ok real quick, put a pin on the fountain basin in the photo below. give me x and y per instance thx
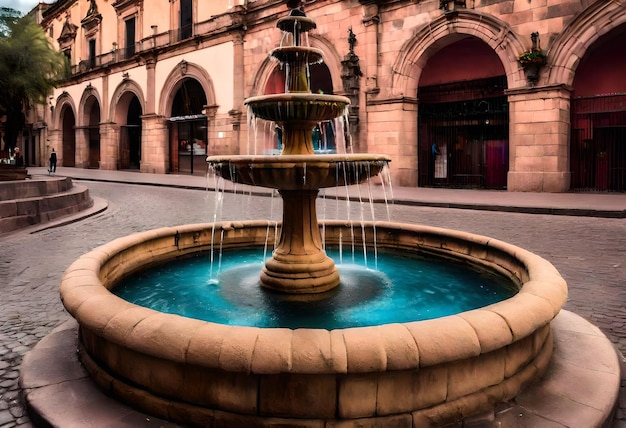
(297, 172)
(412, 374)
(298, 107)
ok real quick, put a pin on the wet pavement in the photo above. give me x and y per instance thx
(585, 242)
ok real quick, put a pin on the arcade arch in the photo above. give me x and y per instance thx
(92, 110)
(598, 116)
(88, 129)
(462, 112)
(324, 78)
(463, 118)
(441, 32)
(67, 157)
(187, 96)
(126, 113)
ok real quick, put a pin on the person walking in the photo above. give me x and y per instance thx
(19, 159)
(53, 162)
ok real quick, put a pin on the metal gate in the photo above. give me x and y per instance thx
(463, 134)
(598, 143)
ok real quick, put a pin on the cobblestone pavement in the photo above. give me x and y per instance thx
(590, 253)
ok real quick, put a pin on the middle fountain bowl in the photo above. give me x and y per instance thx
(299, 172)
(290, 107)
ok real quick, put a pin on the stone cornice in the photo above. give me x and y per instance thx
(90, 22)
(538, 89)
(121, 5)
(392, 100)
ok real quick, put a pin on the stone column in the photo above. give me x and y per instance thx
(155, 151)
(82, 147)
(299, 264)
(392, 129)
(109, 146)
(539, 139)
(150, 85)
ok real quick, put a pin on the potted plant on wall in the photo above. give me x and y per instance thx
(533, 60)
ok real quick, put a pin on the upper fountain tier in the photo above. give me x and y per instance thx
(297, 103)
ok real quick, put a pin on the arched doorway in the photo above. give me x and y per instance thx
(463, 118)
(68, 136)
(92, 107)
(598, 116)
(130, 135)
(188, 129)
(324, 140)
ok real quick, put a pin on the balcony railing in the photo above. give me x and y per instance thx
(216, 25)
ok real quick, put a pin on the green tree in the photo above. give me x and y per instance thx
(30, 68)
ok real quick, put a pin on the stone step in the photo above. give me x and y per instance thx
(30, 202)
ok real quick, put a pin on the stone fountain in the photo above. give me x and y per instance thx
(425, 373)
(299, 264)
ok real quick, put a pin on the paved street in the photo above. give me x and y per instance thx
(589, 252)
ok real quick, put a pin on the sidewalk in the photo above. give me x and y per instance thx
(610, 205)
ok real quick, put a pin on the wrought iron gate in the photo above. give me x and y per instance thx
(598, 143)
(463, 134)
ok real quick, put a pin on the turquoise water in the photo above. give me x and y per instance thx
(393, 289)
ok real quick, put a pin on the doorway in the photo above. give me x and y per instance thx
(188, 129)
(68, 137)
(130, 137)
(463, 133)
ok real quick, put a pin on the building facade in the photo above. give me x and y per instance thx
(524, 95)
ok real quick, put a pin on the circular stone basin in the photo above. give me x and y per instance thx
(297, 172)
(295, 106)
(394, 288)
(423, 373)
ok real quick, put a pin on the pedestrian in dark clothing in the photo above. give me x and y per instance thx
(19, 159)
(53, 162)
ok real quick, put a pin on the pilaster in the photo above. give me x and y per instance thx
(539, 139)
(150, 85)
(82, 147)
(392, 130)
(155, 152)
(109, 146)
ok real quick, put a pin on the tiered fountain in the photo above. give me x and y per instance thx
(299, 264)
(422, 373)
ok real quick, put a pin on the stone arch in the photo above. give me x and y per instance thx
(122, 98)
(63, 132)
(262, 76)
(88, 142)
(174, 80)
(89, 97)
(572, 43)
(442, 31)
(63, 102)
(124, 145)
(331, 58)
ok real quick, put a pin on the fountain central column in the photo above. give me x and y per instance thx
(299, 264)
(297, 138)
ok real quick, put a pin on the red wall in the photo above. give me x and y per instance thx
(603, 69)
(467, 59)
